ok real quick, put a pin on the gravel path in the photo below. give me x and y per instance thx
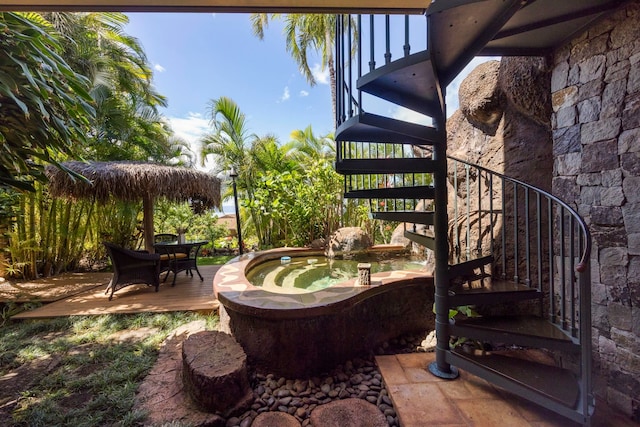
(359, 378)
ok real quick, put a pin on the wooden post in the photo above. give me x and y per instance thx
(147, 222)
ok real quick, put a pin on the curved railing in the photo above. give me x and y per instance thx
(536, 238)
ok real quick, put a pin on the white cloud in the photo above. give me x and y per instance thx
(192, 128)
(321, 76)
(285, 95)
(159, 68)
(304, 93)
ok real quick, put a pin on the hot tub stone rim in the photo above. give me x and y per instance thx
(236, 293)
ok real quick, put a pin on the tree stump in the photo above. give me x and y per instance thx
(214, 373)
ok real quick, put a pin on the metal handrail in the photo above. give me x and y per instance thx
(581, 266)
(509, 224)
(368, 46)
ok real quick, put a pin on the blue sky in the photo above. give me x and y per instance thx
(200, 57)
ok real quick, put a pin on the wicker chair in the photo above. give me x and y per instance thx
(132, 267)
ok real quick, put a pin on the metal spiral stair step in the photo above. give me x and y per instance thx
(469, 265)
(408, 82)
(491, 291)
(529, 331)
(418, 192)
(382, 166)
(368, 127)
(412, 217)
(426, 240)
(549, 385)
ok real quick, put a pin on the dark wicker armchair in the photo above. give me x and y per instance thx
(132, 267)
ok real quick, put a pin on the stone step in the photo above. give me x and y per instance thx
(214, 373)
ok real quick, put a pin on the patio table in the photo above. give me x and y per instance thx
(177, 257)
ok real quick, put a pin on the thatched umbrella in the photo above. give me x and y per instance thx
(132, 181)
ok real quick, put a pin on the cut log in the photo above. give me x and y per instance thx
(214, 373)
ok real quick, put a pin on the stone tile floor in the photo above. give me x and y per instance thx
(421, 400)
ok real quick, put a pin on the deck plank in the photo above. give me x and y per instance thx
(189, 294)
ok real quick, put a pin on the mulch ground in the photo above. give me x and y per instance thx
(51, 288)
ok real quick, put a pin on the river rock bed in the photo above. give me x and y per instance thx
(358, 378)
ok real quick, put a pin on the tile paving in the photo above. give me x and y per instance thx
(422, 400)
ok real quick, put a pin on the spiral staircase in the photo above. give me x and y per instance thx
(504, 243)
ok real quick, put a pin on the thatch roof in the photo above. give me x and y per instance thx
(131, 181)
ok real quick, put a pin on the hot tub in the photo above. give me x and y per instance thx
(299, 335)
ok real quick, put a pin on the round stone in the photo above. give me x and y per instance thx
(348, 413)
(275, 419)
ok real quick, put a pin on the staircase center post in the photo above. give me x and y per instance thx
(441, 368)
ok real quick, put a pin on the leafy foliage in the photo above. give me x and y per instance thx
(72, 85)
(45, 105)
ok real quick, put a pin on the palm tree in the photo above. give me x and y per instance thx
(305, 146)
(128, 124)
(45, 106)
(304, 32)
(235, 148)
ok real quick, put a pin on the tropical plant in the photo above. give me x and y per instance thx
(72, 85)
(305, 32)
(127, 124)
(45, 105)
(236, 149)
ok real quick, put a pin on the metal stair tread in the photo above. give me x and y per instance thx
(408, 81)
(535, 29)
(494, 286)
(428, 241)
(470, 263)
(381, 166)
(412, 216)
(557, 384)
(528, 326)
(367, 127)
(492, 291)
(417, 192)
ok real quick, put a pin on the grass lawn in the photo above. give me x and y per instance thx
(214, 260)
(81, 370)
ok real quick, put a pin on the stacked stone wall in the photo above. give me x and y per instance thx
(595, 89)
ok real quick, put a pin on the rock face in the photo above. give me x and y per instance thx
(503, 121)
(348, 413)
(503, 124)
(215, 373)
(348, 240)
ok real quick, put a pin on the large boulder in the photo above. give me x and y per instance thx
(481, 103)
(348, 241)
(503, 124)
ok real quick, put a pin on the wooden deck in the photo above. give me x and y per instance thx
(189, 294)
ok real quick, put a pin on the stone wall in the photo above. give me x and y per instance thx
(595, 90)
